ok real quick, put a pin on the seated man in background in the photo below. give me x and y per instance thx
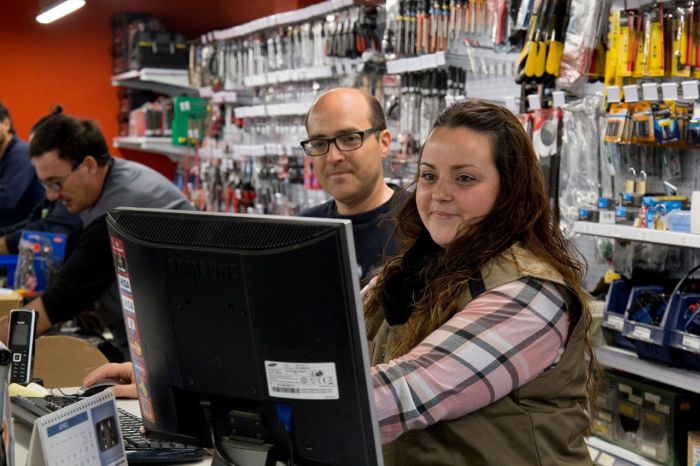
(48, 216)
(20, 189)
(73, 163)
(348, 141)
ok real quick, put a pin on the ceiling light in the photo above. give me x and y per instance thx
(58, 9)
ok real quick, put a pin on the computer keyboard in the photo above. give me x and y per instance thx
(139, 448)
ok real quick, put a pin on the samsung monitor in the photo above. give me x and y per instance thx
(247, 335)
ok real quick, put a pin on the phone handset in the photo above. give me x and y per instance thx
(21, 336)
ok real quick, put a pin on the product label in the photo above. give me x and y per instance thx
(691, 341)
(648, 450)
(615, 322)
(302, 380)
(641, 333)
(607, 217)
(606, 460)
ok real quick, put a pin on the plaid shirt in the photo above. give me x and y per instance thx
(497, 343)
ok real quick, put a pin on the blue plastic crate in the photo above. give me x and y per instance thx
(614, 312)
(686, 343)
(651, 341)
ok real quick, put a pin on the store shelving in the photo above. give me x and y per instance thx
(276, 20)
(159, 80)
(301, 74)
(672, 238)
(290, 109)
(606, 454)
(158, 145)
(617, 358)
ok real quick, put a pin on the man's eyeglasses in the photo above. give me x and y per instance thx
(57, 184)
(344, 142)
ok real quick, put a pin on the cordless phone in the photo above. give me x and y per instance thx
(21, 342)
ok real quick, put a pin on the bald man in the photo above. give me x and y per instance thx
(347, 141)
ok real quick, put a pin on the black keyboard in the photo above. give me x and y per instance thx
(140, 449)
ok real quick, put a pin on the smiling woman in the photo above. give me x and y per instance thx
(458, 182)
(479, 324)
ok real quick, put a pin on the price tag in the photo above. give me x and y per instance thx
(440, 59)
(648, 450)
(274, 109)
(606, 460)
(413, 64)
(669, 91)
(534, 101)
(558, 98)
(641, 333)
(615, 322)
(593, 452)
(613, 93)
(691, 341)
(631, 93)
(512, 105)
(396, 66)
(650, 91)
(429, 61)
(607, 217)
(690, 90)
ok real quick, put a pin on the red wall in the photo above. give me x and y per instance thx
(68, 62)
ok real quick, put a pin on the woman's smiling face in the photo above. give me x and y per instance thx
(458, 181)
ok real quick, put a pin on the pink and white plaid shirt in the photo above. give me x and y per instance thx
(497, 343)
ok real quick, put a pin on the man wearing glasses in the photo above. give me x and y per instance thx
(71, 160)
(347, 140)
(20, 190)
(49, 216)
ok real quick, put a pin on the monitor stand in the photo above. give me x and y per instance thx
(235, 453)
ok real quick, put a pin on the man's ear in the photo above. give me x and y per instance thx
(385, 142)
(90, 163)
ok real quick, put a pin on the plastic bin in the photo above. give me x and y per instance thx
(687, 344)
(651, 341)
(614, 312)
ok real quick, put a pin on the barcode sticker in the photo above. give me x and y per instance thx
(302, 380)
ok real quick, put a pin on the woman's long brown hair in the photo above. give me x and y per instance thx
(521, 213)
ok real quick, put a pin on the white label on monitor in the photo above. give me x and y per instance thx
(127, 304)
(124, 283)
(302, 380)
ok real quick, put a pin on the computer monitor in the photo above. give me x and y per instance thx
(246, 333)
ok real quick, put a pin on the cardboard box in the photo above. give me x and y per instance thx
(9, 300)
(694, 448)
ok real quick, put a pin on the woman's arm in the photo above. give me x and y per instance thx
(497, 343)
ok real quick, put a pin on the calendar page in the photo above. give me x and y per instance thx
(85, 433)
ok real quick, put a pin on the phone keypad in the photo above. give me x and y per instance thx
(19, 366)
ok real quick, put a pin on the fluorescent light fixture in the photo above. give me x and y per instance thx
(58, 9)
